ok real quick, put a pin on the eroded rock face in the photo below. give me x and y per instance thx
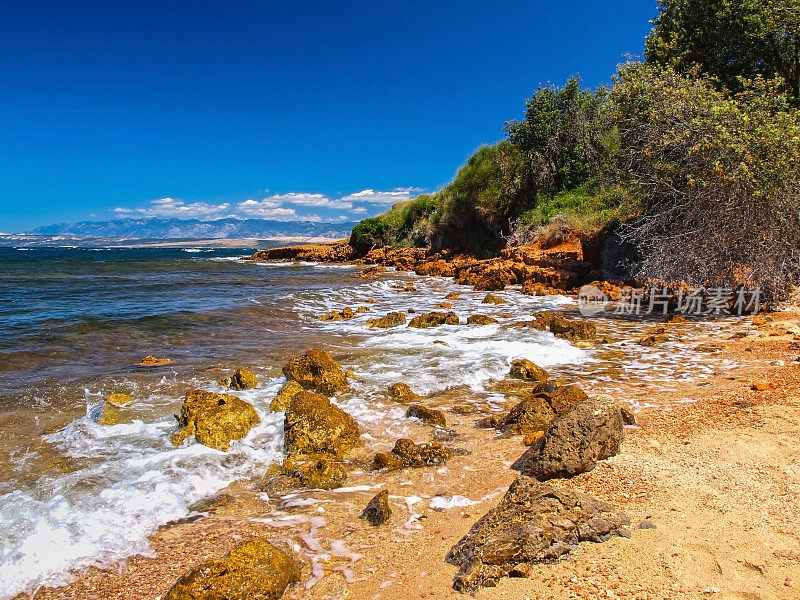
(427, 415)
(240, 380)
(408, 454)
(281, 401)
(316, 369)
(402, 393)
(393, 319)
(573, 444)
(254, 570)
(214, 419)
(480, 320)
(535, 522)
(315, 471)
(378, 510)
(315, 426)
(526, 370)
(434, 319)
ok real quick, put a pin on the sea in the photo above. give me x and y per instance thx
(76, 494)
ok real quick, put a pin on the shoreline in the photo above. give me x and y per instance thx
(634, 481)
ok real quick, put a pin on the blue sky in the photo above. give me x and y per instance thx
(286, 110)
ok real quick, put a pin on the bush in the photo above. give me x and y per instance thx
(368, 234)
(720, 175)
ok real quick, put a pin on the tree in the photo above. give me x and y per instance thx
(729, 40)
(720, 174)
(369, 233)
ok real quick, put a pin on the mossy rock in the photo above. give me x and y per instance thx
(526, 370)
(254, 570)
(408, 454)
(315, 471)
(316, 369)
(215, 420)
(240, 380)
(314, 425)
(281, 401)
(402, 393)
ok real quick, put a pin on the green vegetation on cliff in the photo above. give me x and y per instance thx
(692, 155)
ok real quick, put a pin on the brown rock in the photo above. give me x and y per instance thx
(427, 415)
(573, 330)
(242, 380)
(532, 438)
(402, 393)
(281, 401)
(480, 320)
(408, 454)
(152, 361)
(316, 369)
(573, 444)
(254, 570)
(492, 299)
(444, 305)
(393, 319)
(534, 523)
(214, 419)
(434, 319)
(378, 510)
(335, 315)
(452, 296)
(315, 471)
(761, 386)
(313, 425)
(120, 400)
(528, 371)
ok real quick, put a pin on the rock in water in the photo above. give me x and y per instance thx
(120, 400)
(534, 523)
(240, 380)
(434, 319)
(281, 401)
(427, 415)
(408, 454)
(572, 330)
(480, 320)
(314, 425)
(378, 510)
(573, 444)
(393, 319)
(255, 570)
(315, 471)
(537, 412)
(528, 371)
(316, 369)
(214, 419)
(402, 393)
(492, 299)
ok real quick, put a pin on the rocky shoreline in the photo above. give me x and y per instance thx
(573, 479)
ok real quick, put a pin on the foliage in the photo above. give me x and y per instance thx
(720, 176)
(566, 135)
(369, 234)
(729, 39)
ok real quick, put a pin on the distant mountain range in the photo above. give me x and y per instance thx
(157, 228)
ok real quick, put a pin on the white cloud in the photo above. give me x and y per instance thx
(371, 196)
(360, 210)
(170, 207)
(303, 199)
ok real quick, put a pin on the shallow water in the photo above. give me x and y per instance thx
(74, 493)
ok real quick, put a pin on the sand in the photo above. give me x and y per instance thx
(718, 475)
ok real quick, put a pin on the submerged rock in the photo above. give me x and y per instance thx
(434, 319)
(534, 523)
(152, 361)
(573, 444)
(378, 510)
(106, 413)
(120, 400)
(492, 299)
(281, 401)
(214, 419)
(393, 319)
(526, 370)
(572, 330)
(427, 415)
(254, 570)
(452, 296)
(315, 471)
(444, 305)
(408, 454)
(316, 369)
(313, 425)
(480, 320)
(402, 393)
(240, 380)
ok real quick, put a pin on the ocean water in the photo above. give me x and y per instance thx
(75, 494)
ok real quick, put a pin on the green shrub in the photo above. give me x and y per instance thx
(368, 234)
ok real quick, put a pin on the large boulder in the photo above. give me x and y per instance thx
(313, 425)
(573, 444)
(254, 570)
(522, 368)
(214, 419)
(534, 523)
(393, 319)
(434, 319)
(281, 401)
(408, 454)
(316, 369)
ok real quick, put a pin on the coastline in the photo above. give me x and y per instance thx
(675, 469)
